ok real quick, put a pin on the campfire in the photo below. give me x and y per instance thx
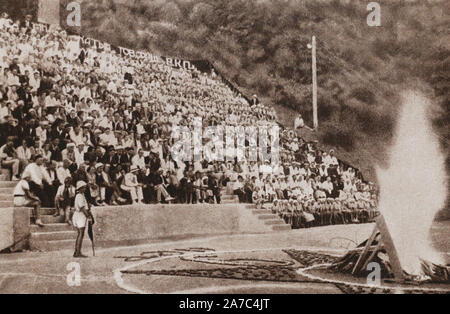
(412, 190)
(376, 250)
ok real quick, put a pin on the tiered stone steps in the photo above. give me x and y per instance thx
(5, 175)
(8, 235)
(227, 197)
(270, 219)
(7, 186)
(59, 245)
(55, 235)
(6, 193)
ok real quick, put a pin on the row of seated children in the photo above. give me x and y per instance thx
(322, 212)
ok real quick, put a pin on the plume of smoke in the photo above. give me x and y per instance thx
(413, 189)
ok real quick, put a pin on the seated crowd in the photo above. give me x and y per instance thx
(70, 115)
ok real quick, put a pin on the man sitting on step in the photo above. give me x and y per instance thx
(24, 198)
(9, 159)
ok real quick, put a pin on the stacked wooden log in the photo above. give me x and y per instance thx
(351, 263)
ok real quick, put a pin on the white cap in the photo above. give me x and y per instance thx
(81, 184)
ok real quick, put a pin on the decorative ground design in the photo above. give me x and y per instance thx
(281, 274)
(279, 266)
(247, 262)
(351, 289)
(150, 255)
(239, 268)
(308, 258)
(358, 285)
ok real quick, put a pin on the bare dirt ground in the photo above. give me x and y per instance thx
(223, 264)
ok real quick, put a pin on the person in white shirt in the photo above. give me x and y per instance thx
(42, 132)
(108, 138)
(106, 122)
(112, 87)
(140, 127)
(93, 106)
(323, 172)
(35, 81)
(24, 153)
(12, 95)
(86, 93)
(12, 79)
(327, 186)
(348, 175)
(303, 184)
(138, 160)
(24, 198)
(76, 135)
(63, 172)
(4, 110)
(69, 153)
(294, 145)
(35, 171)
(238, 189)
(299, 123)
(51, 101)
(127, 141)
(79, 154)
(331, 159)
(266, 169)
(81, 216)
(131, 185)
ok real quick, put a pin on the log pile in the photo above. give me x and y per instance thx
(352, 263)
(355, 263)
(436, 273)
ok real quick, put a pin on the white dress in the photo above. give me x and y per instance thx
(79, 219)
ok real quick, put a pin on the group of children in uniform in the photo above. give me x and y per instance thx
(326, 211)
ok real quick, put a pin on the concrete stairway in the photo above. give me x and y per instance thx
(6, 194)
(6, 190)
(228, 198)
(5, 175)
(270, 219)
(55, 235)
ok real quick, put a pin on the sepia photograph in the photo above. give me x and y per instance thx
(224, 153)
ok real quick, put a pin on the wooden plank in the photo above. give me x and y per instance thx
(363, 255)
(377, 248)
(389, 246)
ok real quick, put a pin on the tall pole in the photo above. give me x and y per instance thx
(314, 84)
